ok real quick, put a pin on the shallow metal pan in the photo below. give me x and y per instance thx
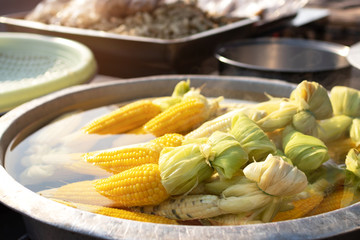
(46, 219)
(288, 59)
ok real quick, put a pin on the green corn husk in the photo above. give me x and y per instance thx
(229, 155)
(181, 88)
(183, 168)
(219, 184)
(305, 122)
(352, 162)
(222, 123)
(305, 151)
(333, 128)
(251, 137)
(276, 177)
(267, 186)
(179, 91)
(355, 131)
(313, 97)
(271, 105)
(243, 197)
(345, 101)
(276, 137)
(281, 154)
(279, 118)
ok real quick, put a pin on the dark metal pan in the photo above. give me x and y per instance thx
(287, 59)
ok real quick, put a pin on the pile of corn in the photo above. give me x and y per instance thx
(277, 160)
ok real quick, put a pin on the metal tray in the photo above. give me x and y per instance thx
(46, 219)
(131, 56)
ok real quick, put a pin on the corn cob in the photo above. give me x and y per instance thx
(169, 140)
(119, 213)
(341, 197)
(301, 207)
(137, 186)
(79, 192)
(128, 117)
(119, 159)
(221, 123)
(186, 207)
(181, 117)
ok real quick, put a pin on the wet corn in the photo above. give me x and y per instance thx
(169, 140)
(119, 213)
(221, 123)
(137, 186)
(79, 192)
(179, 118)
(186, 207)
(301, 207)
(116, 160)
(119, 159)
(126, 118)
(341, 197)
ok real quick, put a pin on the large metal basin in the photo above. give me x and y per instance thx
(45, 219)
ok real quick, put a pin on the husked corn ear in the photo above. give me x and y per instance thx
(301, 207)
(79, 192)
(169, 140)
(186, 207)
(137, 186)
(181, 117)
(221, 123)
(119, 159)
(119, 213)
(341, 197)
(128, 117)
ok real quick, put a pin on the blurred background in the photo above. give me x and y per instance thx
(338, 21)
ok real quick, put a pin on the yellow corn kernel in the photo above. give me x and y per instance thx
(119, 159)
(186, 207)
(126, 118)
(79, 192)
(119, 213)
(301, 207)
(169, 140)
(341, 197)
(137, 186)
(179, 118)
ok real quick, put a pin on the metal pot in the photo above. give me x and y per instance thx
(354, 59)
(46, 219)
(292, 60)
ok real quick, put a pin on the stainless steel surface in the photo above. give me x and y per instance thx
(283, 58)
(46, 219)
(354, 55)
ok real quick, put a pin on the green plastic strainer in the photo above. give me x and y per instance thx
(33, 65)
